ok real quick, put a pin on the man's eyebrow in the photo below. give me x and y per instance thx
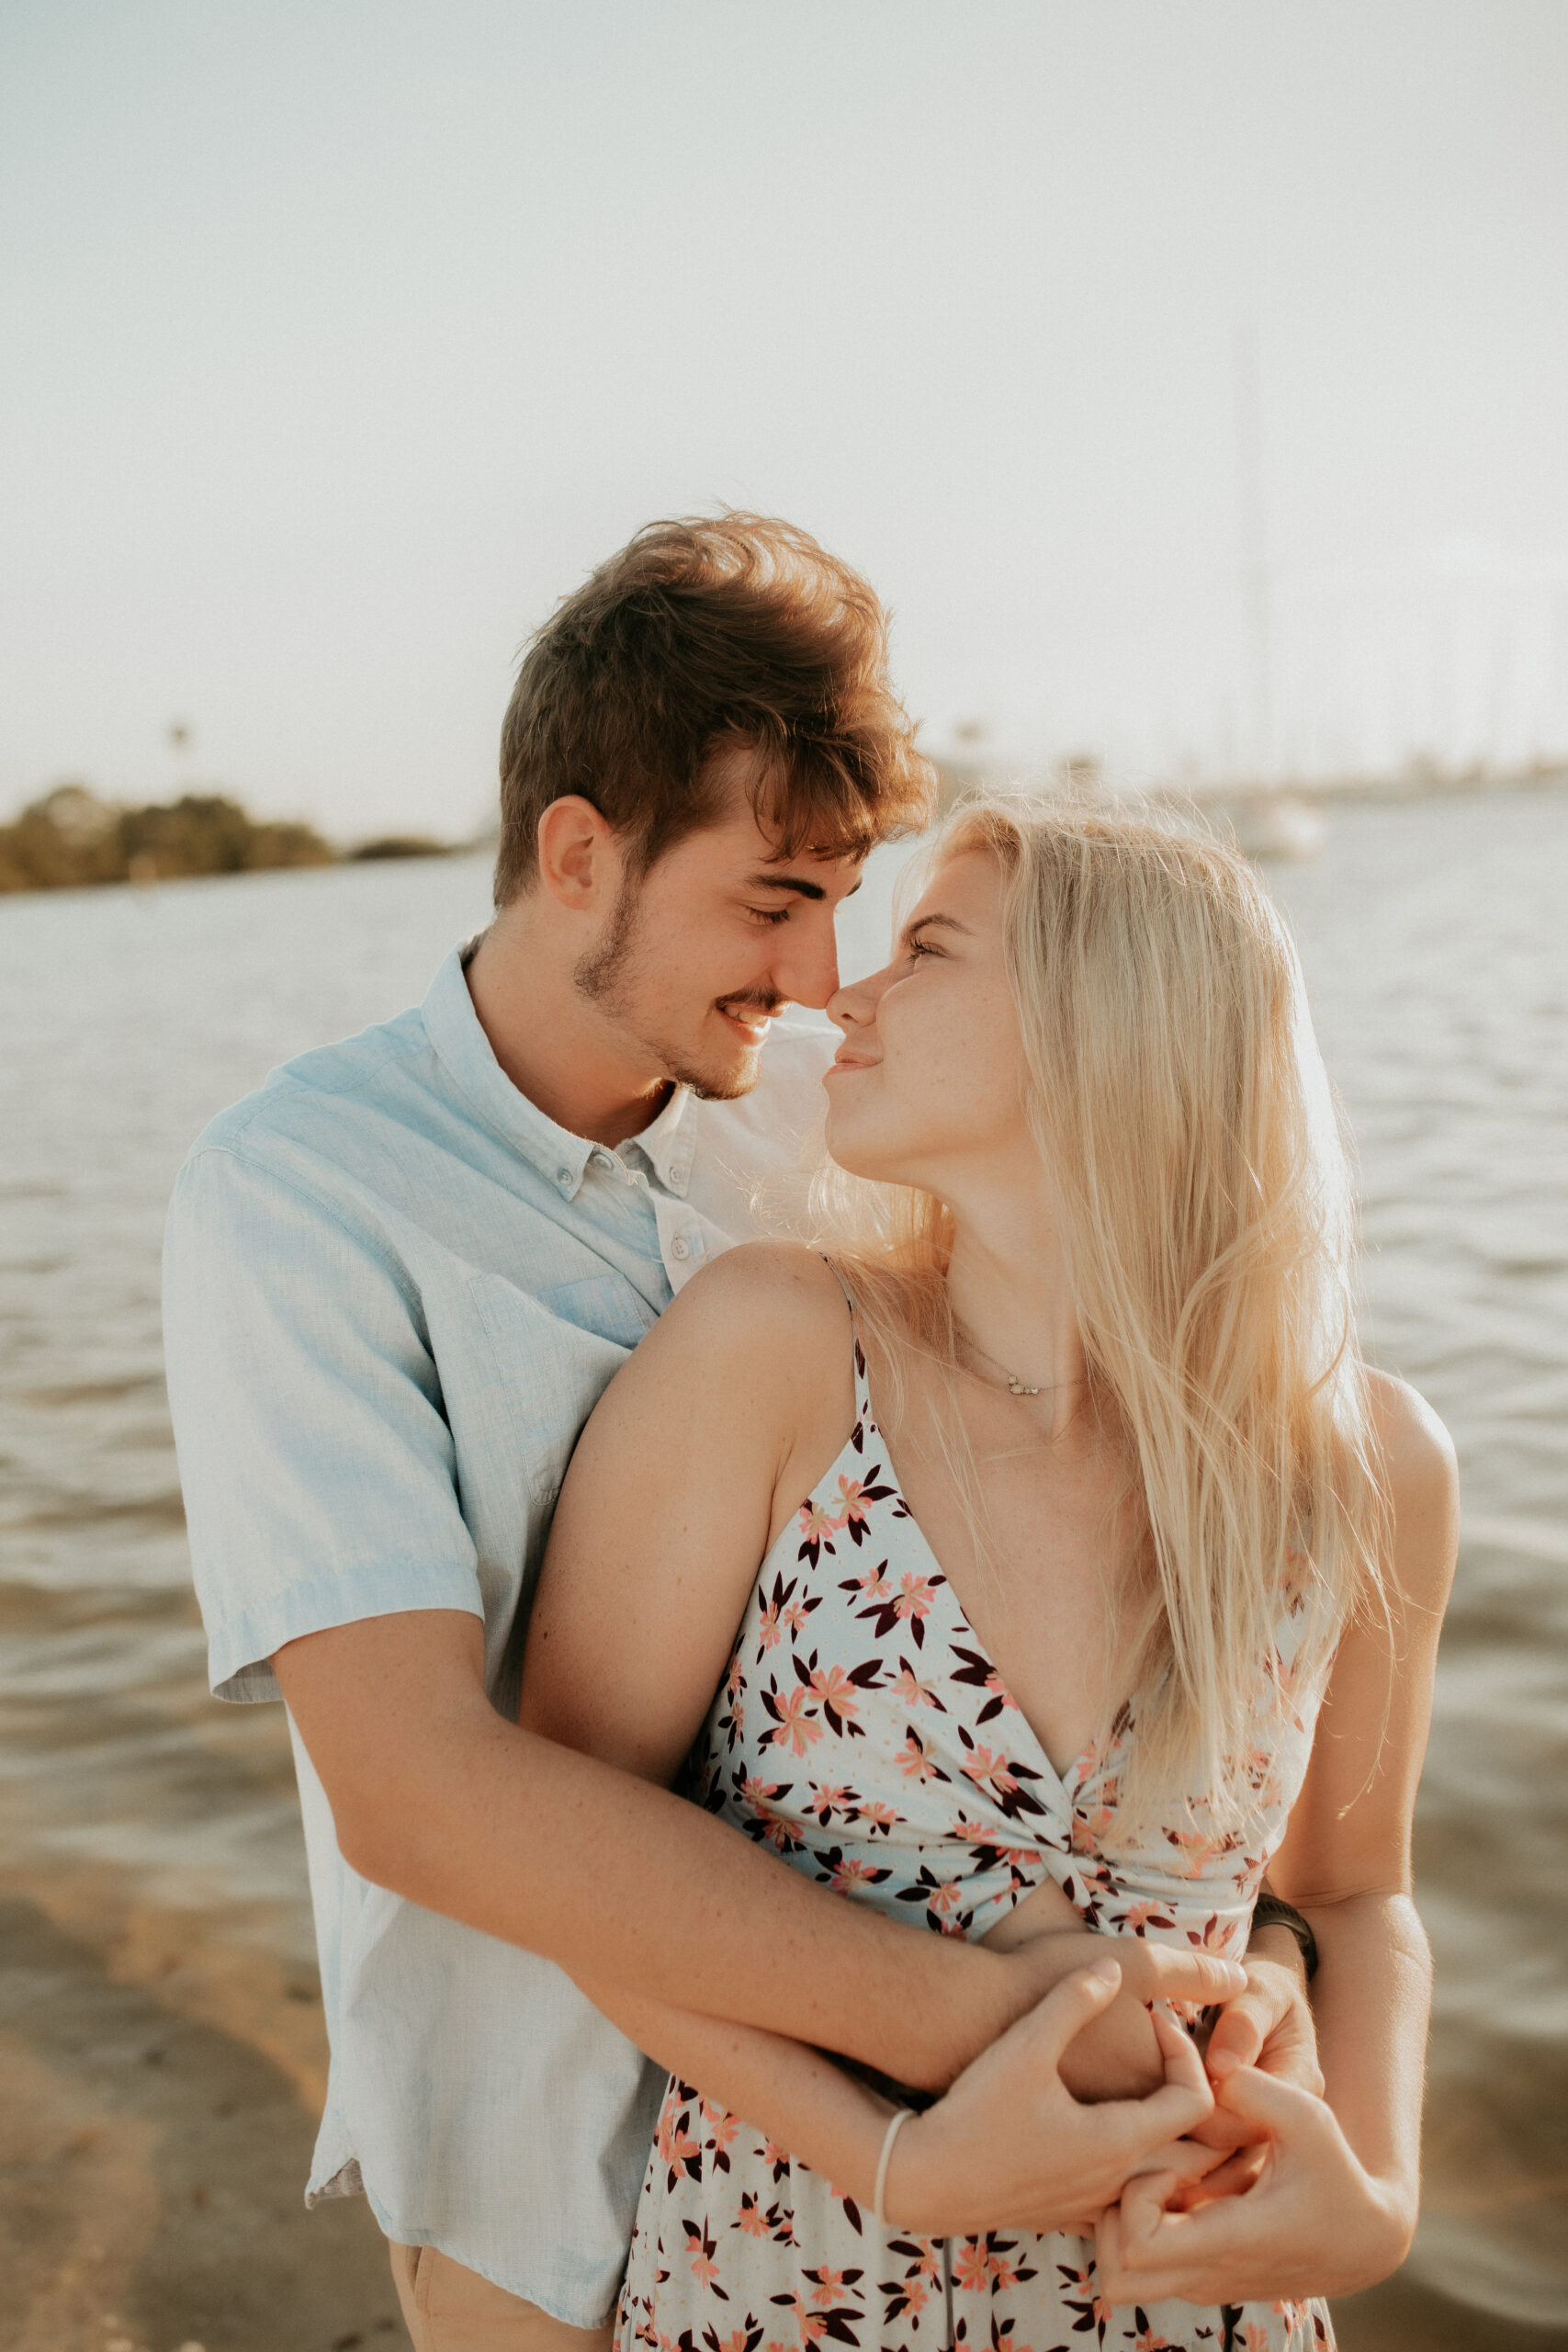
(766, 881)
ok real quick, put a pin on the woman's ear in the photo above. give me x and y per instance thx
(580, 861)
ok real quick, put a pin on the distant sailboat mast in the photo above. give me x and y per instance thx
(1258, 731)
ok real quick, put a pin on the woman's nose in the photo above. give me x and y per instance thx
(851, 1006)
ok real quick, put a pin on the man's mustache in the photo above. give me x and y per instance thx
(766, 1005)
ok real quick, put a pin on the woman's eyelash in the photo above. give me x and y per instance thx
(769, 914)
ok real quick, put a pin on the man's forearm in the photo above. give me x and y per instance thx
(1371, 1997)
(605, 1873)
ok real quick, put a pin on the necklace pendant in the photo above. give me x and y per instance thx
(1018, 1388)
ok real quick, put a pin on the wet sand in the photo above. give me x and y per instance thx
(161, 2072)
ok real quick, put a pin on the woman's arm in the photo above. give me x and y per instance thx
(1335, 2205)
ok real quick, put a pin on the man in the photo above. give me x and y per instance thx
(398, 1278)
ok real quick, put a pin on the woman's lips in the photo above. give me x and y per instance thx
(843, 1061)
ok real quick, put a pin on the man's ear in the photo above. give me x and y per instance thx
(580, 855)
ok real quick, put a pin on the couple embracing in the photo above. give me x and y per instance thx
(827, 1764)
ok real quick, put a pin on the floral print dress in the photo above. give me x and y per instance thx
(863, 1735)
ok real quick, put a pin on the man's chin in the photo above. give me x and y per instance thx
(717, 1076)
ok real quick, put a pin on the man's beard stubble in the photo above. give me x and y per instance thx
(608, 976)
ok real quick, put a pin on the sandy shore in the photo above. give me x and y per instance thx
(159, 2075)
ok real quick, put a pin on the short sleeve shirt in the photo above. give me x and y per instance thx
(393, 1293)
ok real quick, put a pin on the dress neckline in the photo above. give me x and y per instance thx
(1064, 1783)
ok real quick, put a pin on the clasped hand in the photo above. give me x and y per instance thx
(1010, 2147)
(1231, 2182)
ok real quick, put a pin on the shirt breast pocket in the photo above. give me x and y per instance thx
(546, 1370)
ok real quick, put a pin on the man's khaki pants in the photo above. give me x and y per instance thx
(450, 2309)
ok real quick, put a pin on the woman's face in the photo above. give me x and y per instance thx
(929, 1081)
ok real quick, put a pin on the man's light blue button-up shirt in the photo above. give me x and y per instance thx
(393, 1292)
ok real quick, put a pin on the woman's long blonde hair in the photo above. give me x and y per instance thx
(1187, 1133)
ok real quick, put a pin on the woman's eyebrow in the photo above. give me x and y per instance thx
(929, 922)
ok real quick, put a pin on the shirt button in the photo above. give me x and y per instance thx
(678, 1247)
(563, 1175)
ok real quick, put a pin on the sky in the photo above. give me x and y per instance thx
(1190, 381)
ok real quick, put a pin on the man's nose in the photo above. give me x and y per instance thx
(808, 972)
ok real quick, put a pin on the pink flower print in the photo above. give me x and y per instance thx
(722, 2127)
(1195, 1849)
(751, 2222)
(1090, 1829)
(737, 1682)
(702, 2250)
(831, 1798)
(912, 1692)
(813, 2326)
(676, 2148)
(830, 2283)
(972, 2268)
(878, 1819)
(817, 1528)
(1140, 1916)
(839, 1695)
(914, 1763)
(1255, 2338)
(910, 1605)
(991, 1773)
(796, 1615)
(793, 1727)
(1147, 2341)
(761, 1795)
(850, 1875)
(871, 1584)
(768, 1626)
(851, 1503)
(915, 1597)
(855, 1496)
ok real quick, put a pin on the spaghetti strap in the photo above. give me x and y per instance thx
(848, 1295)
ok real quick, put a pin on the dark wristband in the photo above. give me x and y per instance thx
(1273, 1911)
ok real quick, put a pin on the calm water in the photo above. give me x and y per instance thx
(1437, 948)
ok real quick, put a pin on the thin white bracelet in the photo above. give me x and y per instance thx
(902, 2116)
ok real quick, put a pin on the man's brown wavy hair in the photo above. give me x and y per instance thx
(698, 638)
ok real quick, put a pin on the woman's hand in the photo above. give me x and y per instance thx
(1269, 2025)
(1009, 2148)
(1315, 2222)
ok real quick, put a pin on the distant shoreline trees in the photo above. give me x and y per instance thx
(72, 839)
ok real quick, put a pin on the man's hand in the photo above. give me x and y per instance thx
(1010, 2147)
(1117, 2055)
(1315, 2222)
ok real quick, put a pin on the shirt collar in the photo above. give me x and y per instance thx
(452, 1027)
(668, 1143)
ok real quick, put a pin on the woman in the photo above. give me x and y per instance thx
(1097, 1490)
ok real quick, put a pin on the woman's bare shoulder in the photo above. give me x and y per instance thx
(793, 1287)
(1421, 1471)
(774, 1310)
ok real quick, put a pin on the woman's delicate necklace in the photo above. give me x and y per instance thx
(1018, 1388)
